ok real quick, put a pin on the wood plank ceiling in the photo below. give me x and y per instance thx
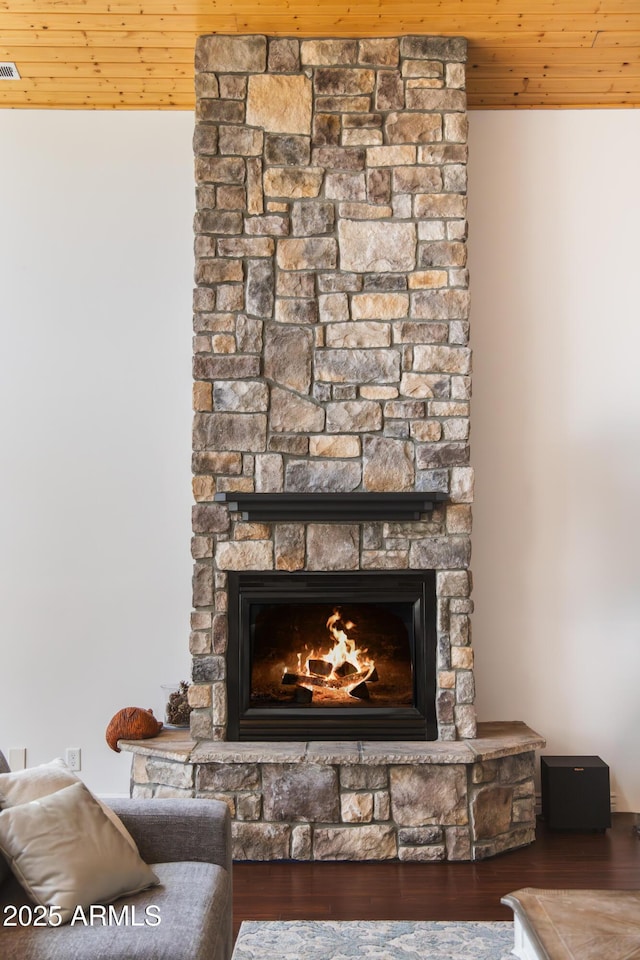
(130, 54)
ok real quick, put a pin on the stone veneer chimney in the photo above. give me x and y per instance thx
(331, 334)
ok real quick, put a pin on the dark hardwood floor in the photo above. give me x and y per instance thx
(438, 891)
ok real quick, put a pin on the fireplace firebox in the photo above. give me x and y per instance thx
(316, 656)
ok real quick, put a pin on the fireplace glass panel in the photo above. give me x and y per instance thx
(348, 655)
(331, 656)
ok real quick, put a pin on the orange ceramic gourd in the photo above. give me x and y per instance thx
(131, 723)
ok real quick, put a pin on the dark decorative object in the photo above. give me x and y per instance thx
(131, 723)
(178, 709)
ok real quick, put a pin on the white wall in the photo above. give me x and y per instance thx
(95, 291)
(554, 211)
(95, 316)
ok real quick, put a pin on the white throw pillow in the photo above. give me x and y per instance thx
(22, 786)
(66, 852)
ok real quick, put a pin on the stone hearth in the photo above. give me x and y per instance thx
(465, 800)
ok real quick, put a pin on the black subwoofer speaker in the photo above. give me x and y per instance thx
(575, 793)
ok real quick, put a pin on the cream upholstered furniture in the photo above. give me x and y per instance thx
(187, 845)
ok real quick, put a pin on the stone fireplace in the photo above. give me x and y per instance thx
(332, 385)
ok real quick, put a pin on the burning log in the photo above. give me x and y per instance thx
(321, 668)
(333, 683)
(302, 695)
(360, 691)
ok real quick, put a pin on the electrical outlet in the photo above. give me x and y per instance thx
(17, 758)
(72, 758)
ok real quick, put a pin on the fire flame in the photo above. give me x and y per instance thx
(343, 650)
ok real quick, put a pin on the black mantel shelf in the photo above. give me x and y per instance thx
(331, 506)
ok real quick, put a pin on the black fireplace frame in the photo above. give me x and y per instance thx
(306, 722)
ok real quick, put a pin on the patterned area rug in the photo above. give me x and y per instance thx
(373, 940)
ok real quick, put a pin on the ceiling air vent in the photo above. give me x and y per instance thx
(8, 71)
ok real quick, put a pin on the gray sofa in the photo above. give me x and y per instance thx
(189, 845)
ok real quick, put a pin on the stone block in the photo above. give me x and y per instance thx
(300, 284)
(356, 807)
(433, 455)
(267, 226)
(345, 186)
(334, 445)
(419, 836)
(287, 356)
(491, 812)
(202, 585)
(209, 518)
(416, 179)
(353, 416)
(279, 104)
(466, 721)
(225, 368)
(423, 795)
(269, 473)
(179, 775)
(374, 247)
(379, 185)
(228, 776)
(381, 805)
(219, 170)
(297, 311)
(451, 583)
(260, 291)
(382, 53)
(242, 396)
(244, 555)
(318, 53)
(379, 306)
(364, 334)
(424, 98)
(462, 485)
(441, 253)
(220, 111)
(357, 366)
(322, 476)
(340, 81)
(456, 127)
(357, 777)
(364, 211)
(333, 307)
(391, 156)
(260, 841)
(248, 806)
(284, 55)
(207, 669)
(233, 54)
(289, 546)
(312, 218)
(406, 128)
(240, 141)
(300, 792)
(422, 854)
(389, 90)
(440, 552)
(440, 304)
(441, 359)
(326, 129)
(366, 842)
(365, 137)
(246, 432)
(287, 150)
(387, 465)
(332, 546)
(301, 842)
(292, 414)
(293, 182)
(458, 843)
(312, 253)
